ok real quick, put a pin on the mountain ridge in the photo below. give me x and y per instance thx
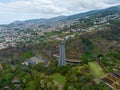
(115, 8)
(57, 21)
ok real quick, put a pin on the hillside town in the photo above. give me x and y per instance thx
(16, 35)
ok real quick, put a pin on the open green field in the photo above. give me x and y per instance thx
(96, 69)
(59, 78)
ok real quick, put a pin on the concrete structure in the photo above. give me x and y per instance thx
(33, 60)
(69, 61)
(62, 61)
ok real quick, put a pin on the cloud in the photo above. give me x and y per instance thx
(28, 9)
(32, 6)
(54, 6)
(112, 1)
(85, 5)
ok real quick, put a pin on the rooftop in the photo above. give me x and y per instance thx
(36, 59)
(1, 67)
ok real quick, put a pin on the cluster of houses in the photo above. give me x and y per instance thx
(13, 37)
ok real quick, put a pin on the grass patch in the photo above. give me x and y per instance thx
(97, 80)
(28, 54)
(96, 69)
(59, 78)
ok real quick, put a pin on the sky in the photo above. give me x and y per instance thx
(13, 10)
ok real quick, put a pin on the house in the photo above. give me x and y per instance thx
(16, 84)
(1, 67)
(25, 63)
(6, 88)
(15, 81)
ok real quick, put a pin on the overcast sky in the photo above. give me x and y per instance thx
(12, 10)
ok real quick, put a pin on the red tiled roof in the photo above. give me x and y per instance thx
(1, 67)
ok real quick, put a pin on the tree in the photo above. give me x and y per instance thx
(31, 86)
(42, 84)
(39, 67)
(9, 76)
(49, 85)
